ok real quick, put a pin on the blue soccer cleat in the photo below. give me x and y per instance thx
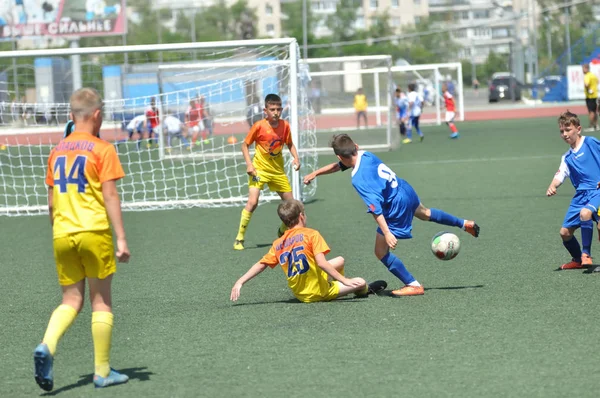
(42, 360)
(112, 379)
(454, 135)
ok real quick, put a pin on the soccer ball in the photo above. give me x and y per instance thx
(445, 245)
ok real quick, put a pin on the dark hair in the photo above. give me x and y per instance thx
(272, 99)
(398, 90)
(289, 212)
(412, 87)
(343, 146)
(568, 118)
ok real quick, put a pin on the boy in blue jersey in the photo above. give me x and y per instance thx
(393, 204)
(415, 108)
(581, 163)
(401, 111)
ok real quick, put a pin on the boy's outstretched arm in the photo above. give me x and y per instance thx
(554, 186)
(332, 272)
(330, 168)
(252, 272)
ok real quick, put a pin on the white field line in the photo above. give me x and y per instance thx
(476, 160)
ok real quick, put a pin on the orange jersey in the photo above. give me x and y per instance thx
(269, 145)
(152, 116)
(449, 100)
(295, 252)
(77, 167)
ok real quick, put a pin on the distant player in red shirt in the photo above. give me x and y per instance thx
(193, 119)
(152, 120)
(450, 110)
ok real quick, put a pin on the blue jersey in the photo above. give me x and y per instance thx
(402, 107)
(582, 165)
(385, 194)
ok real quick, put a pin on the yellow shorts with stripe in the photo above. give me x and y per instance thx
(84, 255)
(276, 182)
(331, 294)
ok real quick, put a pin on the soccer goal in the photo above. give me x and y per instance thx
(165, 170)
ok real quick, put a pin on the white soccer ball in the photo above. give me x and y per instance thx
(445, 245)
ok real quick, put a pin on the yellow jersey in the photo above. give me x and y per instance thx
(360, 103)
(269, 145)
(591, 83)
(77, 167)
(295, 252)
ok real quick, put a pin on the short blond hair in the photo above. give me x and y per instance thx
(568, 118)
(289, 212)
(84, 102)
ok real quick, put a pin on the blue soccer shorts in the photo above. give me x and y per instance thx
(588, 199)
(399, 214)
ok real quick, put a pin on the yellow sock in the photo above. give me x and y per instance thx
(244, 221)
(102, 324)
(62, 318)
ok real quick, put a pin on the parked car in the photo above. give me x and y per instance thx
(505, 87)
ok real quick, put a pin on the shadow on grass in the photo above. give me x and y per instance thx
(349, 298)
(139, 374)
(389, 292)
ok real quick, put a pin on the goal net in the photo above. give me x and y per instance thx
(201, 166)
(334, 84)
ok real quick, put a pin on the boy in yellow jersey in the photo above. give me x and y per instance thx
(590, 82)
(360, 107)
(301, 253)
(269, 135)
(82, 197)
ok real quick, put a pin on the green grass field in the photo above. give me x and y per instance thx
(495, 321)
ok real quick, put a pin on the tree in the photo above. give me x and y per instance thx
(342, 22)
(291, 24)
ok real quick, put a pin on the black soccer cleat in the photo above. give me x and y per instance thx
(377, 287)
(472, 228)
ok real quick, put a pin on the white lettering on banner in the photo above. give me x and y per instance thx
(576, 90)
(80, 27)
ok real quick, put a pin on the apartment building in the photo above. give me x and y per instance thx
(482, 26)
(401, 12)
(267, 11)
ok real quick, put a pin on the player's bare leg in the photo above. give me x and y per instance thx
(62, 318)
(587, 232)
(253, 196)
(284, 196)
(425, 214)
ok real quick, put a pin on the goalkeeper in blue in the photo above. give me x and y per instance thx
(581, 163)
(392, 202)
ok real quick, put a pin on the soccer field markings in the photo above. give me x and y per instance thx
(473, 160)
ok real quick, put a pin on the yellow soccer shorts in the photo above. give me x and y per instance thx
(276, 182)
(331, 294)
(84, 255)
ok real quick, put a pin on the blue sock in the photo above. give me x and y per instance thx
(409, 133)
(572, 245)
(396, 267)
(441, 217)
(586, 236)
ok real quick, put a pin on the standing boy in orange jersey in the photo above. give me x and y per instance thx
(82, 197)
(301, 253)
(270, 135)
(450, 111)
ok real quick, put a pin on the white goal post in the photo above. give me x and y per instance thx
(210, 173)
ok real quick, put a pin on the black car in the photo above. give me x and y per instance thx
(505, 87)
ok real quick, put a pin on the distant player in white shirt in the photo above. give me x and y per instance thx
(415, 105)
(581, 163)
(173, 127)
(136, 125)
